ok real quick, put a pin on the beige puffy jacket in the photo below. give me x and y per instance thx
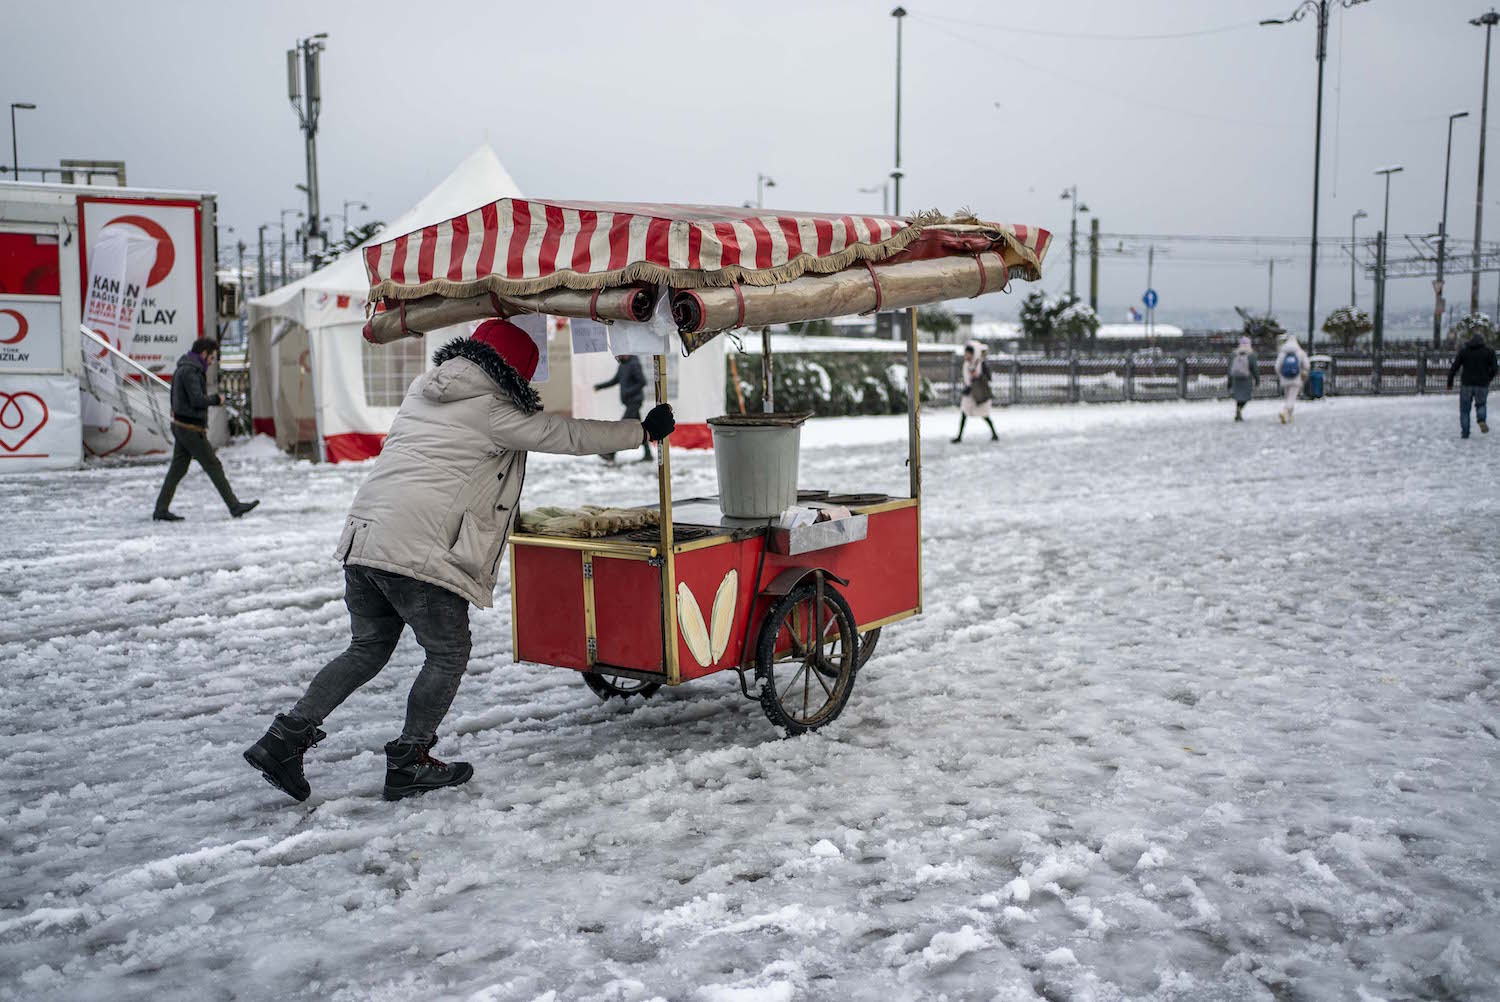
(440, 501)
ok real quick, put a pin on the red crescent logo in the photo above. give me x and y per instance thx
(13, 418)
(166, 253)
(129, 433)
(21, 326)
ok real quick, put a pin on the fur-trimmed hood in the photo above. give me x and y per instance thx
(507, 382)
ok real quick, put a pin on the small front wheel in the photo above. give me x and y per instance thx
(806, 657)
(607, 686)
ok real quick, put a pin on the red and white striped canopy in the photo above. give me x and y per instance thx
(520, 246)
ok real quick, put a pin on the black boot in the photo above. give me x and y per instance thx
(278, 755)
(166, 516)
(410, 770)
(242, 507)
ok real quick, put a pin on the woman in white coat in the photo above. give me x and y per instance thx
(1291, 368)
(975, 396)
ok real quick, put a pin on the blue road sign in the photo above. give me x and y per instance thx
(1149, 299)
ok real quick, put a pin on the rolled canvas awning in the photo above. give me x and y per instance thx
(506, 256)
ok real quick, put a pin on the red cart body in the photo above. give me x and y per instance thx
(595, 604)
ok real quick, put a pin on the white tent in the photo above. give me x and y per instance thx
(317, 386)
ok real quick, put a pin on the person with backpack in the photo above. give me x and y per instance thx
(1476, 360)
(1244, 377)
(974, 398)
(1292, 367)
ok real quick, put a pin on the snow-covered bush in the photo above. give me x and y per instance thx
(1264, 332)
(1050, 319)
(827, 383)
(1347, 324)
(1470, 324)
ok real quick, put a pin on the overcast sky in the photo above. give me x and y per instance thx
(1004, 104)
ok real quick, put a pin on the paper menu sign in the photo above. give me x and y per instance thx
(589, 337)
(649, 338)
(535, 324)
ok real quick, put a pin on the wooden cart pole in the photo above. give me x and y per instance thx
(767, 391)
(664, 506)
(914, 434)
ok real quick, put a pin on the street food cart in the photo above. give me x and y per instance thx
(794, 610)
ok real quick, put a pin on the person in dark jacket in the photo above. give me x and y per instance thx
(1476, 360)
(632, 383)
(190, 403)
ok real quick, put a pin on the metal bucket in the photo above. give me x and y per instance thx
(756, 456)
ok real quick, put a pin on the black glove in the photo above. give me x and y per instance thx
(659, 423)
(600, 386)
(966, 391)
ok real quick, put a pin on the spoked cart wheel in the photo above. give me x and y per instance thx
(607, 686)
(806, 657)
(867, 642)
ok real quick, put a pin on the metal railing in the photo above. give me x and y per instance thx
(1038, 379)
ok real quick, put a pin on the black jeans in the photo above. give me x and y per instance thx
(193, 445)
(380, 605)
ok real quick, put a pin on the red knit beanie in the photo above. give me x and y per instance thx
(512, 343)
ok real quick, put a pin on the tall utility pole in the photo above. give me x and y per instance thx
(302, 73)
(1070, 193)
(1094, 264)
(899, 13)
(1437, 285)
(1150, 310)
(1318, 8)
(240, 316)
(260, 262)
(1489, 21)
(1377, 341)
(284, 272)
(1353, 243)
(1271, 282)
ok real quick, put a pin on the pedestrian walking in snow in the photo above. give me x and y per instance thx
(1291, 369)
(190, 403)
(974, 398)
(632, 383)
(1244, 377)
(1476, 362)
(423, 541)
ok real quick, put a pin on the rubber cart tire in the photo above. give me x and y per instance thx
(804, 685)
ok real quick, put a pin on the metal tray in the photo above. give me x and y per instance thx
(819, 535)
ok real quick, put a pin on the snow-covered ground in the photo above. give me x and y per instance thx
(1196, 711)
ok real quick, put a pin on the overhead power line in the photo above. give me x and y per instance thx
(1091, 36)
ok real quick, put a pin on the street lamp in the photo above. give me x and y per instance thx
(899, 14)
(1488, 21)
(1378, 339)
(283, 240)
(762, 182)
(1354, 242)
(1437, 285)
(15, 159)
(1070, 193)
(344, 216)
(885, 195)
(1319, 8)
